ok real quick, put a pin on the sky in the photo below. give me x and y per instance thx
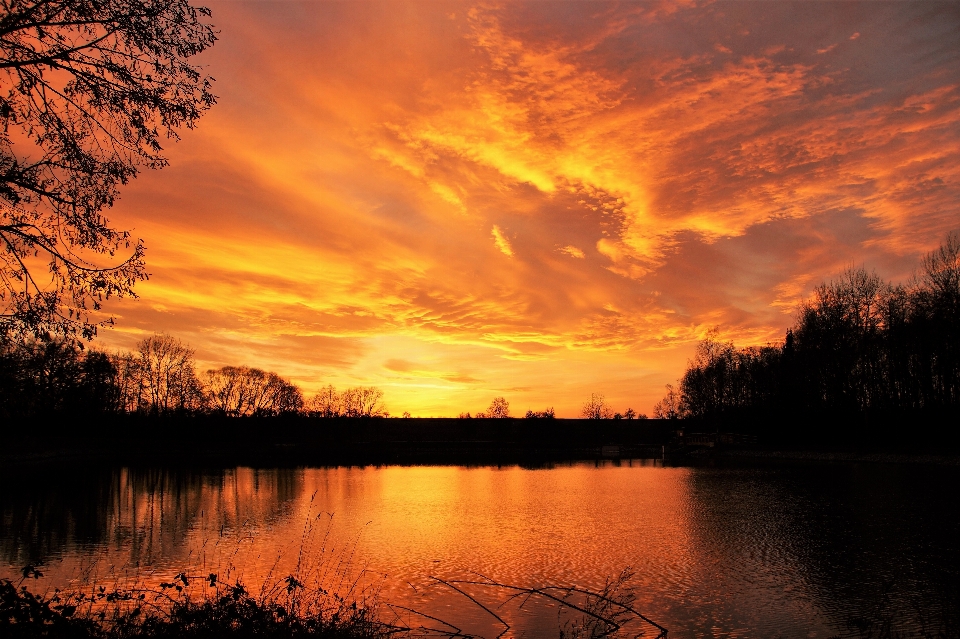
(538, 200)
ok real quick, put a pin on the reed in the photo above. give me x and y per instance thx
(204, 607)
(179, 609)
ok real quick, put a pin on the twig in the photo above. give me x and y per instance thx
(506, 626)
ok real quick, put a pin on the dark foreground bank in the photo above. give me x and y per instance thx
(290, 611)
(229, 611)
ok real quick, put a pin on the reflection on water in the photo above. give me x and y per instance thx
(133, 519)
(798, 551)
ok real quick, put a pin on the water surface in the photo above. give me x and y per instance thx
(795, 551)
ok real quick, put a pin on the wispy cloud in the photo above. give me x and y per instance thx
(572, 251)
(650, 170)
(501, 241)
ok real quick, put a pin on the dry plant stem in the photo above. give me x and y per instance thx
(506, 626)
(611, 621)
(297, 608)
(456, 631)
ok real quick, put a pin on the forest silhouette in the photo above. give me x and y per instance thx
(864, 358)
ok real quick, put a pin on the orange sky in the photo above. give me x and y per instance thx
(540, 200)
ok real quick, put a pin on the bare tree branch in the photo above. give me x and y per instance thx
(88, 89)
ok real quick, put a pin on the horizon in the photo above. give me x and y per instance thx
(454, 202)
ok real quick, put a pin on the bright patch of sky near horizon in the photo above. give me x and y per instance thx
(540, 200)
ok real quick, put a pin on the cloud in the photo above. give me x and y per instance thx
(501, 241)
(331, 219)
(461, 379)
(572, 251)
(399, 365)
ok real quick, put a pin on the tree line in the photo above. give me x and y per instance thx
(159, 377)
(595, 408)
(861, 349)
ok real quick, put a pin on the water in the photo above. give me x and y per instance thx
(792, 551)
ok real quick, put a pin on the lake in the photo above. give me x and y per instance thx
(794, 550)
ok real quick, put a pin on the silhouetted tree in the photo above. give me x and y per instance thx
(542, 414)
(840, 334)
(58, 376)
(132, 397)
(499, 408)
(670, 406)
(241, 390)
(596, 408)
(327, 403)
(98, 384)
(226, 391)
(862, 350)
(936, 315)
(89, 89)
(285, 397)
(363, 401)
(55, 376)
(168, 377)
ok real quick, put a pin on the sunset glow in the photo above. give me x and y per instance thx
(538, 200)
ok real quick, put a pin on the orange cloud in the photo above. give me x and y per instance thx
(572, 251)
(501, 241)
(343, 215)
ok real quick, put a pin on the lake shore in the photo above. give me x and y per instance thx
(278, 442)
(776, 455)
(479, 453)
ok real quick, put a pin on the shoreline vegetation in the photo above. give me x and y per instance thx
(865, 359)
(55, 377)
(203, 606)
(171, 610)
